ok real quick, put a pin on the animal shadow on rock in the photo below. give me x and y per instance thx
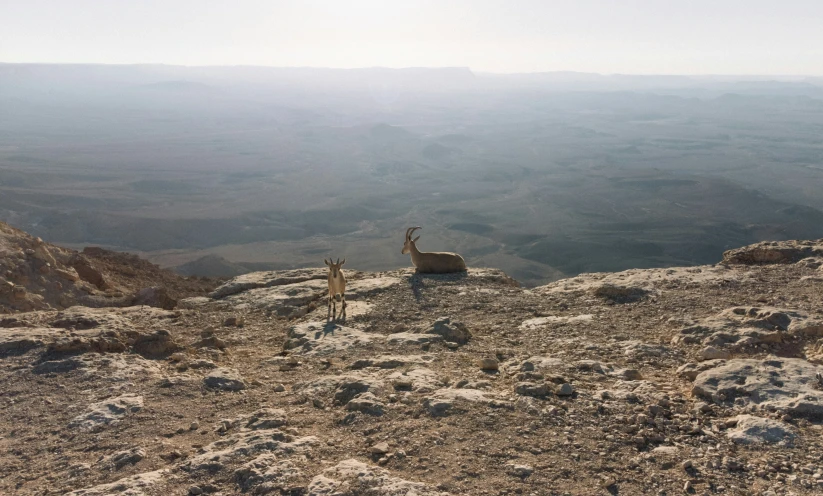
(328, 328)
(416, 281)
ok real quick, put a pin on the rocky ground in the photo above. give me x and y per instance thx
(35, 275)
(701, 380)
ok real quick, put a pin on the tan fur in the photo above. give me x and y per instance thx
(435, 262)
(337, 289)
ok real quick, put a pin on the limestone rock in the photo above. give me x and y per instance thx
(785, 384)
(157, 343)
(774, 252)
(88, 272)
(488, 364)
(323, 338)
(20, 340)
(239, 445)
(450, 330)
(691, 370)
(531, 389)
(265, 473)
(620, 294)
(380, 448)
(519, 470)
(565, 389)
(107, 412)
(403, 338)
(390, 361)
(758, 430)
(712, 353)
(444, 400)
(367, 479)
(418, 379)
(126, 457)
(155, 297)
(255, 280)
(367, 403)
(133, 485)
(225, 379)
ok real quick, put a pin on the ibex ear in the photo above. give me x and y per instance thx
(415, 239)
(344, 261)
(325, 261)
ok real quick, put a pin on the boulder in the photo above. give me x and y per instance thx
(156, 343)
(155, 297)
(225, 379)
(788, 385)
(774, 252)
(366, 403)
(450, 330)
(88, 272)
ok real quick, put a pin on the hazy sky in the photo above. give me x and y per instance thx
(607, 36)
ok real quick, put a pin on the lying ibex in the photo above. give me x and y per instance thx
(337, 288)
(431, 262)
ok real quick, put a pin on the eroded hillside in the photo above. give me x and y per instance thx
(35, 275)
(702, 379)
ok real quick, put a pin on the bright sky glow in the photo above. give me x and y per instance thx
(606, 36)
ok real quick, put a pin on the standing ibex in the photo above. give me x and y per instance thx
(337, 288)
(431, 262)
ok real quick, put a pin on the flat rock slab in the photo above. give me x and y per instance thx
(274, 297)
(741, 327)
(225, 379)
(774, 252)
(403, 338)
(758, 430)
(342, 387)
(325, 338)
(788, 385)
(110, 367)
(267, 279)
(232, 447)
(642, 282)
(265, 468)
(22, 339)
(107, 412)
(391, 361)
(372, 480)
(542, 322)
(418, 379)
(444, 400)
(134, 485)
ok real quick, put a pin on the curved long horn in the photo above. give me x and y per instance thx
(411, 231)
(337, 262)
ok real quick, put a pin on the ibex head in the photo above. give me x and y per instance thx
(334, 267)
(409, 241)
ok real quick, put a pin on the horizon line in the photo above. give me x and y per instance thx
(519, 73)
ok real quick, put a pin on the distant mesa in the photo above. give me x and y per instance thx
(188, 87)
